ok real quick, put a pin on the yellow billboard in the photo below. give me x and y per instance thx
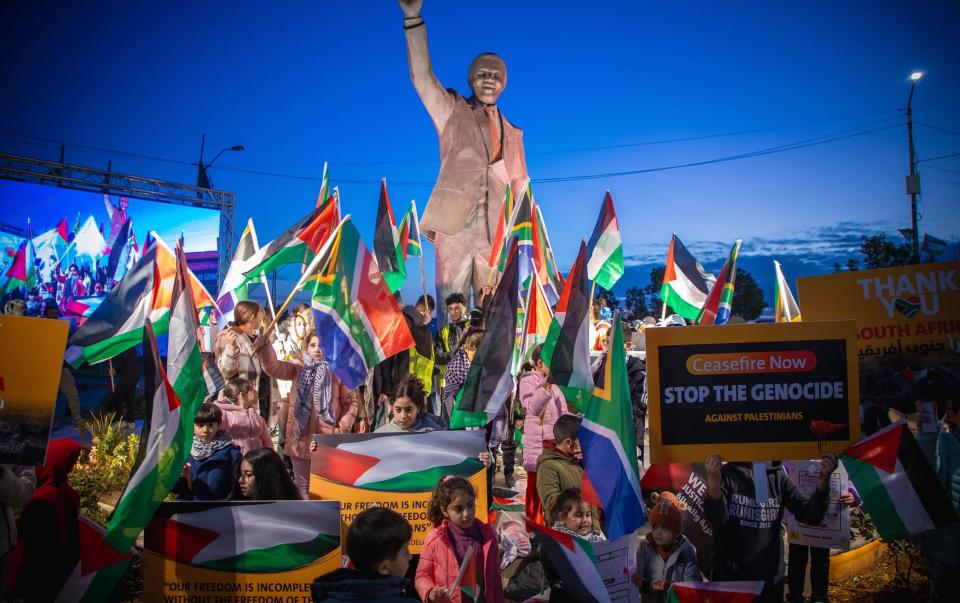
(31, 358)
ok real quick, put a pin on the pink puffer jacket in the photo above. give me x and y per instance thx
(542, 407)
(438, 565)
(245, 427)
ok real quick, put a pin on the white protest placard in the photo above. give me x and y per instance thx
(617, 562)
(834, 531)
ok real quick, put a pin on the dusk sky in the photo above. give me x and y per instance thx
(598, 88)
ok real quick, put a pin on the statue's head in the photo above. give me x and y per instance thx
(487, 77)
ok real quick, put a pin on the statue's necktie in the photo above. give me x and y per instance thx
(494, 131)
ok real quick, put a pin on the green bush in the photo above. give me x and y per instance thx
(102, 473)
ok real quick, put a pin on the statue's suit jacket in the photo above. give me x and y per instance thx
(467, 175)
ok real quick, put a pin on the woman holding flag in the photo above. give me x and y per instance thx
(320, 404)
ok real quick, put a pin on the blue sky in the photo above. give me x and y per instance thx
(301, 83)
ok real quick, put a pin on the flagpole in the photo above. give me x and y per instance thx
(423, 277)
(593, 286)
(113, 389)
(303, 279)
(263, 276)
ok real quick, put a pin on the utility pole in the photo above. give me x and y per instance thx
(913, 180)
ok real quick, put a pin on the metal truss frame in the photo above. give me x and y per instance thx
(52, 173)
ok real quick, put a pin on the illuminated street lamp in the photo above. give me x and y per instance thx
(913, 180)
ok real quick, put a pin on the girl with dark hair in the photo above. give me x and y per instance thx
(263, 476)
(408, 409)
(456, 529)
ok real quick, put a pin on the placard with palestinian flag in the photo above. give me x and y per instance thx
(234, 549)
(396, 470)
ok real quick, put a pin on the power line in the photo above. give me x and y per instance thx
(591, 148)
(758, 153)
(74, 145)
(939, 157)
(824, 139)
(938, 128)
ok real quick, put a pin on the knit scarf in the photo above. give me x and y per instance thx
(201, 450)
(313, 393)
(465, 539)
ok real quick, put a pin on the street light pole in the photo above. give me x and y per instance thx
(203, 178)
(913, 180)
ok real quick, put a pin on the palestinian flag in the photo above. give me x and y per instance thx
(212, 377)
(324, 197)
(62, 231)
(685, 283)
(242, 537)
(611, 478)
(899, 488)
(298, 245)
(22, 273)
(500, 245)
(398, 462)
(234, 287)
(716, 309)
(80, 308)
(173, 398)
(714, 592)
(144, 293)
(354, 311)
(785, 308)
(573, 559)
(410, 232)
(605, 250)
(386, 243)
(489, 384)
(99, 569)
(537, 317)
(566, 350)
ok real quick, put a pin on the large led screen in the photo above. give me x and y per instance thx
(84, 242)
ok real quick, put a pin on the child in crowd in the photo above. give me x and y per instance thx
(378, 547)
(241, 416)
(319, 403)
(543, 404)
(573, 515)
(665, 555)
(263, 476)
(747, 533)
(408, 408)
(559, 467)
(211, 470)
(455, 530)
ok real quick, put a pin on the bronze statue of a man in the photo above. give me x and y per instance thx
(480, 153)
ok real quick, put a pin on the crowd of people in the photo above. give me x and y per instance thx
(253, 441)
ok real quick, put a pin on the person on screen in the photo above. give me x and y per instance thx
(118, 217)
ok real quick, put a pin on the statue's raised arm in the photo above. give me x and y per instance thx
(437, 101)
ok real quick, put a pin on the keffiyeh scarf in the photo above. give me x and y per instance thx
(313, 392)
